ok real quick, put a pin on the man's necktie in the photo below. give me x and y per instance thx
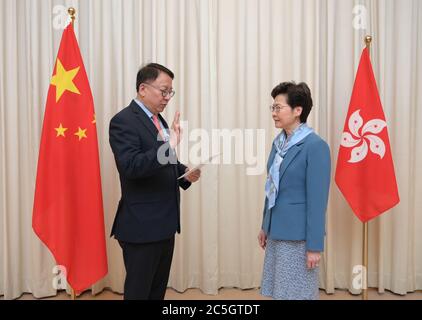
(157, 125)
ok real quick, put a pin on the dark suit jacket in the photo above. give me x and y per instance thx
(149, 209)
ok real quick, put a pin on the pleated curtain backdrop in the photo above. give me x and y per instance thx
(227, 55)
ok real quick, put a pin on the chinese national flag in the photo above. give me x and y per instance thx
(365, 170)
(68, 209)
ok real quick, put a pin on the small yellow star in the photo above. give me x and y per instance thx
(60, 131)
(95, 120)
(81, 133)
(63, 80)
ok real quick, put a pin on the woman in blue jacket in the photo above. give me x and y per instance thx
(297, 186)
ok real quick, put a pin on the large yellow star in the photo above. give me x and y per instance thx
(60, 131)
(63, 80)
(81, 133)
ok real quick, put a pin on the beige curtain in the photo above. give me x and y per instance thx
(227, 56)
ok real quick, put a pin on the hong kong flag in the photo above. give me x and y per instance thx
(365, 169)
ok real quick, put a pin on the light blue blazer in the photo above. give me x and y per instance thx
(299, 211)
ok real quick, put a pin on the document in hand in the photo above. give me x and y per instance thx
(199, 166)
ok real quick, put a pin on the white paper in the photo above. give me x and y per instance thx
(199, 166)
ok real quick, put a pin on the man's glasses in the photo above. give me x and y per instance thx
(164, 93)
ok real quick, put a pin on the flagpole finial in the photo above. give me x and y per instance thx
(71, 11)
(368, 40)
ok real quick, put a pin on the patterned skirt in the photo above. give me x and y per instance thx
(285, 275)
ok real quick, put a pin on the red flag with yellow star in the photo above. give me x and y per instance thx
(68, 209)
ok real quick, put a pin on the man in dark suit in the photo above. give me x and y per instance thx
(148, 213)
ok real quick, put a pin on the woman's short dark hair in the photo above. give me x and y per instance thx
(298, 95)
(150, 72)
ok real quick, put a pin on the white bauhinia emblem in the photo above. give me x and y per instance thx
(359, 141)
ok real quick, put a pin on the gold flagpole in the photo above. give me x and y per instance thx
(368, 40)
(71, 11)
(365, 262)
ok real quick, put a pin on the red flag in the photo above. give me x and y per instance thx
(68, 208)
(365, 170)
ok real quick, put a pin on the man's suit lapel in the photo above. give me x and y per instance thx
(176, 172)
(143, 118)
(163, 121)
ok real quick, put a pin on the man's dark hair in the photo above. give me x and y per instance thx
(150, 72)
(298, 95)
